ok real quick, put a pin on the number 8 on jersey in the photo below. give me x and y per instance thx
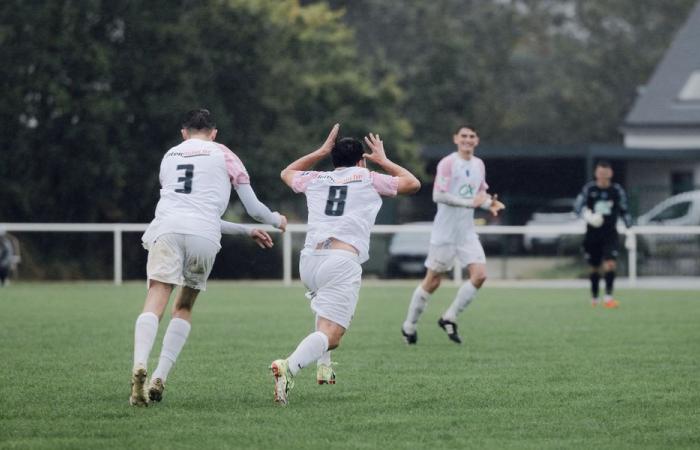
(335, 205)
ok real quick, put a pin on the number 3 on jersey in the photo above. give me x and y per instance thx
(187, 179)
(335, 205)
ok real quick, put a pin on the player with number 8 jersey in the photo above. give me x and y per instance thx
(342, 206)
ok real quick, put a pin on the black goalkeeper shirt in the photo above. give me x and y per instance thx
(611, 202)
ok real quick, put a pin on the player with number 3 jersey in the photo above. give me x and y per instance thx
(196, 177)
(342, 206)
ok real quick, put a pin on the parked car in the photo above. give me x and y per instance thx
(558, 212)
(408, 249)
(407, 253)
(679, 210)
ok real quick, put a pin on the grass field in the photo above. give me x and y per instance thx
(539, 369)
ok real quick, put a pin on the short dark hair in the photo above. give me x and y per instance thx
(347, 152)
(604, 164)
(198, 119)
(466, 125)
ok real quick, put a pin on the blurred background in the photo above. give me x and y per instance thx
(93, 92)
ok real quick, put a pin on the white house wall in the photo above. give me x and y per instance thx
(676, 139)
(649, 182)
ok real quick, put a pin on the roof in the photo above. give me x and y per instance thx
(658, 104)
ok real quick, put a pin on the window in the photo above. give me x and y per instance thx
(691, 90)
(676, 211)
(681, 182)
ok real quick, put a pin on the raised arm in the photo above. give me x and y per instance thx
(408, 183)
(307, 161)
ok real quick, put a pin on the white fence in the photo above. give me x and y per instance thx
(117, 229)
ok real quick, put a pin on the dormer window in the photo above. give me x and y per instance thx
(691, 90)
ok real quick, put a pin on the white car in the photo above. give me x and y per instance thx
(559, 212)
(408, 250)
(407, 253)
(679, 210)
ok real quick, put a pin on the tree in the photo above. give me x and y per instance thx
(93, 92)
(524, 71)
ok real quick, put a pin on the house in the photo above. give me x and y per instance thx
(662, 131)
(660, 155)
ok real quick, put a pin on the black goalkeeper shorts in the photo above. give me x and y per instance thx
(600, 247)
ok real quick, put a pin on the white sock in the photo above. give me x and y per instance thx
(173, 341)
(309, 350)
(144, 337)
(465, 295)
(325, 359)
(415, 309)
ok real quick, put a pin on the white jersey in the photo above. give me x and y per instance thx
(463, 178)
(343, 204)
(196, 178)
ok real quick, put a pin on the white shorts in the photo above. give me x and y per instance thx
(181, 259)
(333, 278)
(441, 257)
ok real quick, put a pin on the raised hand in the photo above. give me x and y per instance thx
(261, 238)
(327, 146)
(375, 144)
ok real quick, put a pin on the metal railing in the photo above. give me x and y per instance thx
(117, 229)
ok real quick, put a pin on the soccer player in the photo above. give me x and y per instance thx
(183, 239)
(342, 206)
(600, 203)
(460, 187)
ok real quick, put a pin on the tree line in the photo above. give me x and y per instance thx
(93, 90)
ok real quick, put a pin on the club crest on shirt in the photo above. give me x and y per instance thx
(466, 190)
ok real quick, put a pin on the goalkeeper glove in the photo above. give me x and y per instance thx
(593, 219)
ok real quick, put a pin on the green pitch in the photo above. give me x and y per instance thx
(539, 369)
